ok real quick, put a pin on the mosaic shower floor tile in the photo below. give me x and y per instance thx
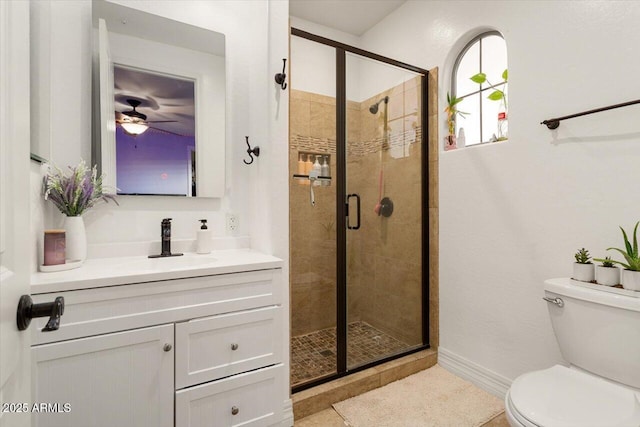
(313, 355)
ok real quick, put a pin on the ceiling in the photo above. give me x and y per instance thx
(350, 16)
(162, 98)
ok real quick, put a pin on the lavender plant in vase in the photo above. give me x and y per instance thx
(73, 192)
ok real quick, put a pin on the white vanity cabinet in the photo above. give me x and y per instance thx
(213, 347)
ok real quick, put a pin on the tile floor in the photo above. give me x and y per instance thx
(314, 355)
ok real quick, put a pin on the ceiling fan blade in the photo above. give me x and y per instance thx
(169, 132)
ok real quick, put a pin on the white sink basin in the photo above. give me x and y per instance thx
(167, 263)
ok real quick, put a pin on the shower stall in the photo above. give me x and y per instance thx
(358, 209)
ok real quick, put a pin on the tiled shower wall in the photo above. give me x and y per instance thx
(312, 229)
(384, 274)
(384, 255)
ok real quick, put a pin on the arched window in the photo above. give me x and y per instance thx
(480, 79)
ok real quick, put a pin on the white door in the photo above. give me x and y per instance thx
(119, 379)
(15, 238)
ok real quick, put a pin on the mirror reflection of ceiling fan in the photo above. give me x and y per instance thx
(135, 123)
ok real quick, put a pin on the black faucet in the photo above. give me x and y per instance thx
(165, 238)
(165, 235)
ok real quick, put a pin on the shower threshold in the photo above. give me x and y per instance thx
(313, 355)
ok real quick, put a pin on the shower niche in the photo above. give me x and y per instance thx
(313, 166)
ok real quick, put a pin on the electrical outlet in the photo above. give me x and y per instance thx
(232, 223)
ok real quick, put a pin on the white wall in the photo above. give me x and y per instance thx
(313, 65)
(512, 214)
(250, 67)
(60, 39)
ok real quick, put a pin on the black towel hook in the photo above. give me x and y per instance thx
(251, 151)
(281, 77)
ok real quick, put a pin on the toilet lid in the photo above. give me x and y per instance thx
(563, 397)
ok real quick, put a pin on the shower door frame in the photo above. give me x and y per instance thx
(342, 206)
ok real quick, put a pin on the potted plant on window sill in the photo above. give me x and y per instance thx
(583, 268)
(607, 274)
(631, 273)
(452, 112)
(497, 95)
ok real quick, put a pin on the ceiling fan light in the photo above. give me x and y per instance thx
(134, 128)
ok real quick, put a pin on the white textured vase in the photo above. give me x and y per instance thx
(631, 280)
(608, 276)
(583, 272)
(76, 238)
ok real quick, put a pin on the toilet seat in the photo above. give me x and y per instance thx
(563, 397)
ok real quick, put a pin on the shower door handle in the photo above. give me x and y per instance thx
(357, 226)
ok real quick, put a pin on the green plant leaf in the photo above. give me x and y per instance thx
(626, 256)
(496, 95)
(626, 242)
(635, 240)
(479, 78)
(618, 262)
(505, 75)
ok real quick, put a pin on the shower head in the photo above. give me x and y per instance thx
(374, 108)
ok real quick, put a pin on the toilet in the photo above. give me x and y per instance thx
(598, 330)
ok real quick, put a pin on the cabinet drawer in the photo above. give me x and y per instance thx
(117, 308)
(249, 399)
(218, 346)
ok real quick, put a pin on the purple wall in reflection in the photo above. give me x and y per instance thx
(152, 163)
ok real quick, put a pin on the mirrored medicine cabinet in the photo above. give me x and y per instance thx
(159, 104)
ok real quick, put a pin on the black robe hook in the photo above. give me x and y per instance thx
(281, 77)
(255, 151)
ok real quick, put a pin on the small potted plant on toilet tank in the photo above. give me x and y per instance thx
(583, 268)
(607, 274)
(631, 273)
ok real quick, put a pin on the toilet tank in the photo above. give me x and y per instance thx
(598, 328)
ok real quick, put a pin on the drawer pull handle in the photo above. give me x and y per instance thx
(234, 346)
(234, 410)
(167, 347)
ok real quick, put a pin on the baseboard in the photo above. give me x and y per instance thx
(287, 414)
(484, 378)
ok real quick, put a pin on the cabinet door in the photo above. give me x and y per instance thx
(120, 379)
(218, 346)
(252, 399)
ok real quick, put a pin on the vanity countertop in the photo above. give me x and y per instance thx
(100, 272)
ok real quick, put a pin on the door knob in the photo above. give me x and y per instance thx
(27, 310)
(234, 346)
(234, 410)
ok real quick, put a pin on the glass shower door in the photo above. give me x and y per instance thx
(312, 226)
(384, 157)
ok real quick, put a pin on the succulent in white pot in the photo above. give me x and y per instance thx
(631, 273)
(583, 268)
(607, 274)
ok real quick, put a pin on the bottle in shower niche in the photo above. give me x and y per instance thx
(317, 169)
(308, 165)
(325, 170)
(301, 168)
(503, 123)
